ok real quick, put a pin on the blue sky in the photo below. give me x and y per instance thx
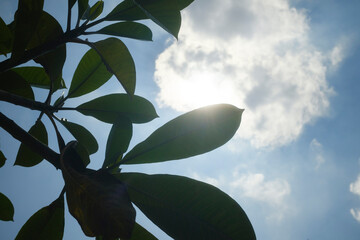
(294, 164)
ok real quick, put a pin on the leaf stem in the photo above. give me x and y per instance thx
(25, 102)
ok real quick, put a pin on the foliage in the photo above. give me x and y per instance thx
(102, 200)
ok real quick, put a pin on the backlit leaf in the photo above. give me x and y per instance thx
(164, 13)
(14, 83)
(97, 200)
(47, 223)
(188, 209)
(82, 6)
(53, 61)
(190, 134)
(90, 74)
(25, 156)
(118, 140)
(2, 159)
(96, 10)
(108, 108)
(140, 233)
(82, 135)
(6, 208)
(27, 18)
(128, 11)
(37, 77)
(5, 38)
(118, 61)
(129, 30)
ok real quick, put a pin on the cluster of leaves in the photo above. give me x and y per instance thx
(101, 200)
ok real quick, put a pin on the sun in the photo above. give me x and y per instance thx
(204, 88)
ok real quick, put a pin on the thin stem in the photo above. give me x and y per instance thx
(68, 17)
(60, 139)
(24, 102)
(20, 134)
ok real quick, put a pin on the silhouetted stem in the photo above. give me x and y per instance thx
(20, 134)
(24, 102)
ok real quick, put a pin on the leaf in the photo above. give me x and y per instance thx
(140, 233)
(118, 140)
(15, 84)
(6, 38)
(118, 61)
(82, 6)
(52, 61)
(2, 159)
(184, 3)
(6, 208)
(98, 201)
(37, 77)
(164, 13)
(190, 134)
(129, 30)
(47, 223)
(25, 156)
(108, 108)
(27, 18)
(128, 11)
(96, 10)
(187, 209)
(90, 74)
(82, 135)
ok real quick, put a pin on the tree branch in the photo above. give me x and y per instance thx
(20, 134)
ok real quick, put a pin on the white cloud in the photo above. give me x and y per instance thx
(317, 152)
(255, 187)
(270, 195)
(355, 213)
(355, 186)
(254, 54)
(355, 189)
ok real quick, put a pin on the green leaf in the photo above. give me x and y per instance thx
(96, 10)
(6, 38)
(118, 61)
(118, 140)
(164, 13)
(27, 18)
(184, 3)
(90, 74)
(47, 223)
(108, 108)
(2, 159)
(82, 6)
(97, 200)
(6, 209)
(14, 83)
(129, 30)
(126, 11)
(25, 156)
(190, 134)
(53, 61)
(37, 77)
(82, 135)
(187, 209)
(140, 233)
